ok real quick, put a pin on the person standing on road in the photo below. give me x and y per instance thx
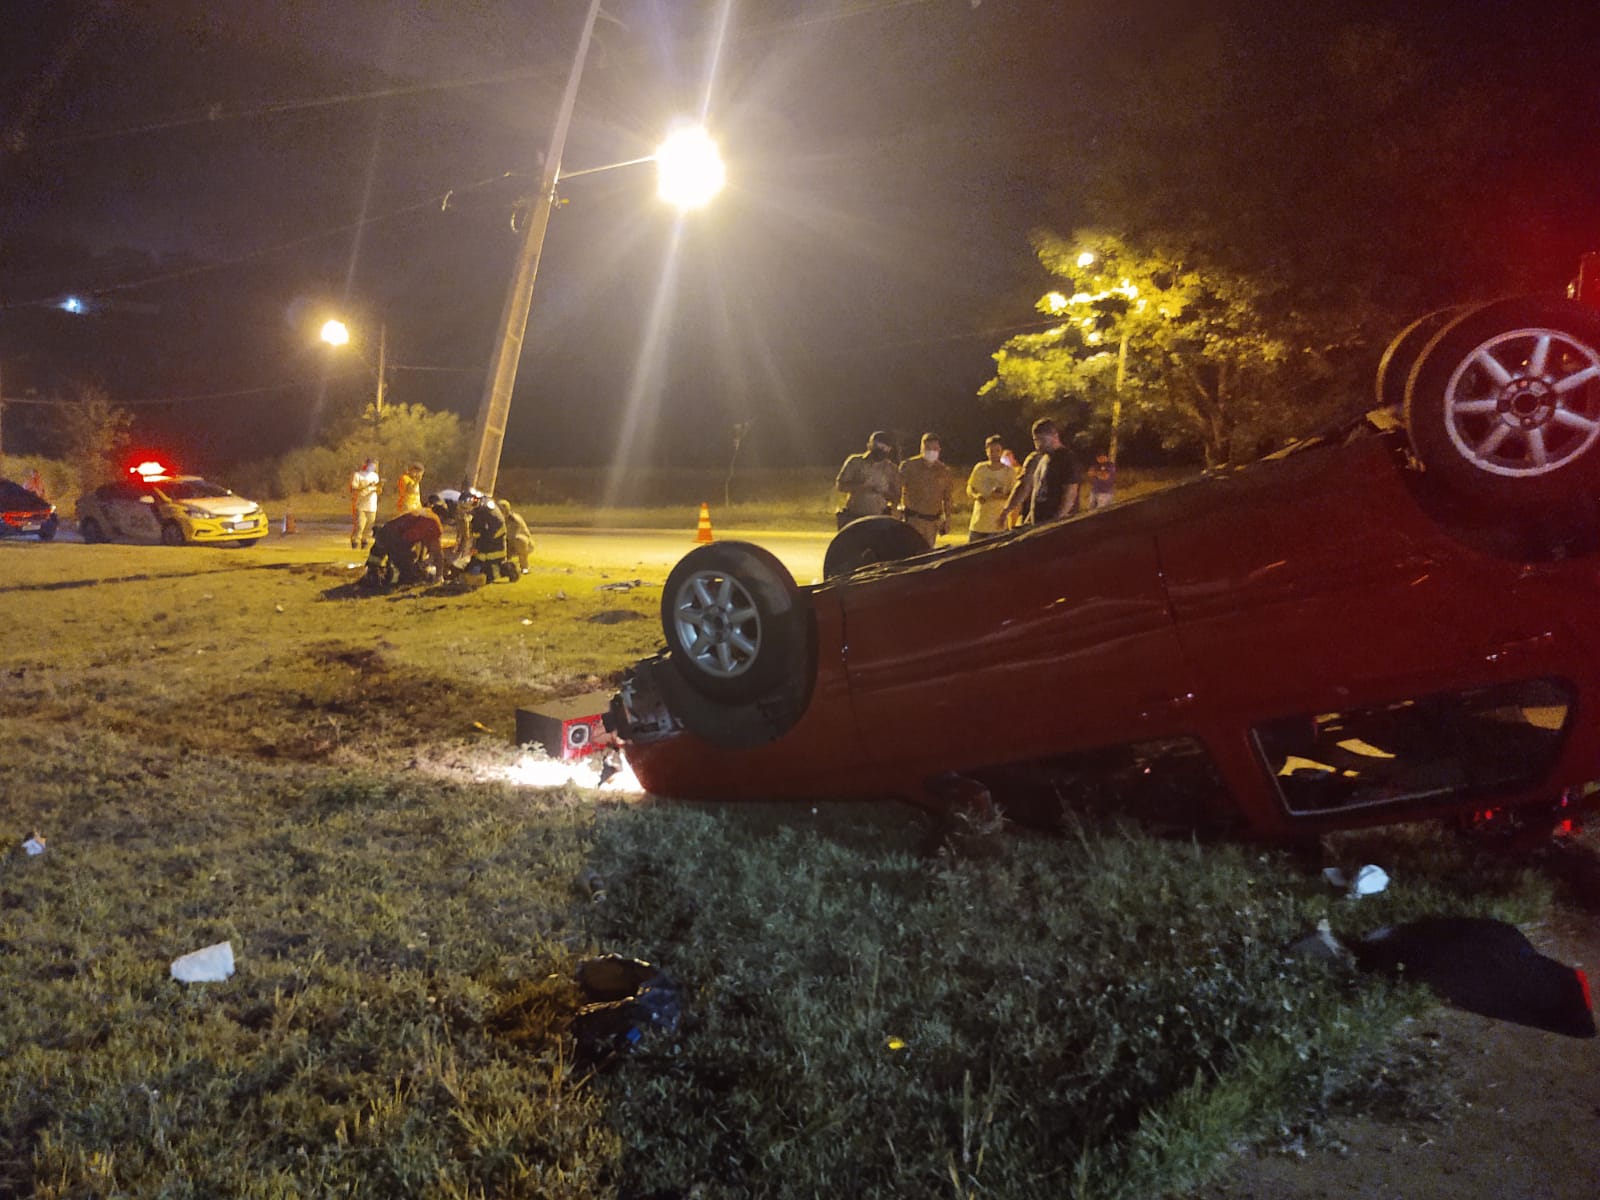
(409, 489)
(870, 481)
(1102, 481)
(990, 486)
(927, 491)
(1051, 476)
(365, 485)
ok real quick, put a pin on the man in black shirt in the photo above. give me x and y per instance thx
(1048, 489)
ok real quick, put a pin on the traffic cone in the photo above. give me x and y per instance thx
(288, 521)
(702, 534)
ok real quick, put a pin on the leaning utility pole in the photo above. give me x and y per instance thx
(489, 432)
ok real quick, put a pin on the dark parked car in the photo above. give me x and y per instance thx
(1395, 621)
(25, 514)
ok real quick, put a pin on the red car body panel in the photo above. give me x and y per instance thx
(1310, 585)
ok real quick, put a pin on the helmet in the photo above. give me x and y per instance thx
(471, 497)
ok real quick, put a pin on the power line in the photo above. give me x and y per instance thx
(251, 255)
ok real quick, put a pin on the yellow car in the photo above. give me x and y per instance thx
(153, 506)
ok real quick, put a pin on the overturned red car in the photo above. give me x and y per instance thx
(1396, 621)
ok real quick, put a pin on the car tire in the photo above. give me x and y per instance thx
(90, 529)
(1400, 356)
(732, 617)
(870, 540)
(48, 532)
(171, 533)
(1503, 405)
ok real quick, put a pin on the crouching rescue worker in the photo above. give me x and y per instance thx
(519, 538)
(486, 532)
(404, 546)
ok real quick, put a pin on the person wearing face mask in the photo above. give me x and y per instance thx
(927, 491)
(870, 481)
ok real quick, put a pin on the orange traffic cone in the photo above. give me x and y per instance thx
(702, 534)
(288, 521)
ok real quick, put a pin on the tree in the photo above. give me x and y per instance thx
(93, 430)
(1186, 349)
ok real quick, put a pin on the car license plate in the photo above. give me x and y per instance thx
(29, 526)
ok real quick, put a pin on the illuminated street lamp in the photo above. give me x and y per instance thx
(336, 333)
(691, 172)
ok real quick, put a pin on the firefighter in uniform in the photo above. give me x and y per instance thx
(486, 532)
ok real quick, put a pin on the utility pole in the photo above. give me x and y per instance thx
(377, 403)
(1116, 399)
(489, 432)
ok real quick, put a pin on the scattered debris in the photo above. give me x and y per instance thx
(1320, 946)
(210, 964)
(560, 595)
(34, 845)
(620, 585)
(1368, 881)
(1477, 964)
(628, 998)
(277, 608)
(615, 616)
(591, 884)
(527, 620)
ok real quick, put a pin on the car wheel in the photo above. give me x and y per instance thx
(870, 540)
(731, 617)
(91, 531)
(1504, 403)
(171, 534)
(48, 533)
(1401, 355)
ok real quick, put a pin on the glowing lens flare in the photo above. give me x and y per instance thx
(689, 169)
(336, 333)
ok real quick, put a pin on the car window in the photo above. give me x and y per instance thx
(1165, 785)
(1433, 745)
(122, 493)
(193, 489)
(14, 495)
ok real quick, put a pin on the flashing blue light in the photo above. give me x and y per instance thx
(73, 305)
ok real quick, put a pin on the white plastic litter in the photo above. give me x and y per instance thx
(1368, 881)
(210, 964)
(34, 846)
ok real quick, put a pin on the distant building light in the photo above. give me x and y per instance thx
(73, 305)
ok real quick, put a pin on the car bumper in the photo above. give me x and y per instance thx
(226, 529)
(20, 524)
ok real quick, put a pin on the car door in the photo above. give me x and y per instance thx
(131, 512)
(1053, 640)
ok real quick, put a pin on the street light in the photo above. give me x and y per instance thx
(673, 159)
(336, 333)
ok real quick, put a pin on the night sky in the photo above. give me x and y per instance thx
(213, 177)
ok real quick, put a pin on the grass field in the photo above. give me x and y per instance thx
(230, 745)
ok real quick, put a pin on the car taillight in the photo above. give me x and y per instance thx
(1583, 982)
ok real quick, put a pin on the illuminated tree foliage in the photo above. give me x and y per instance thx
(93, 430)
(1200, 356)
